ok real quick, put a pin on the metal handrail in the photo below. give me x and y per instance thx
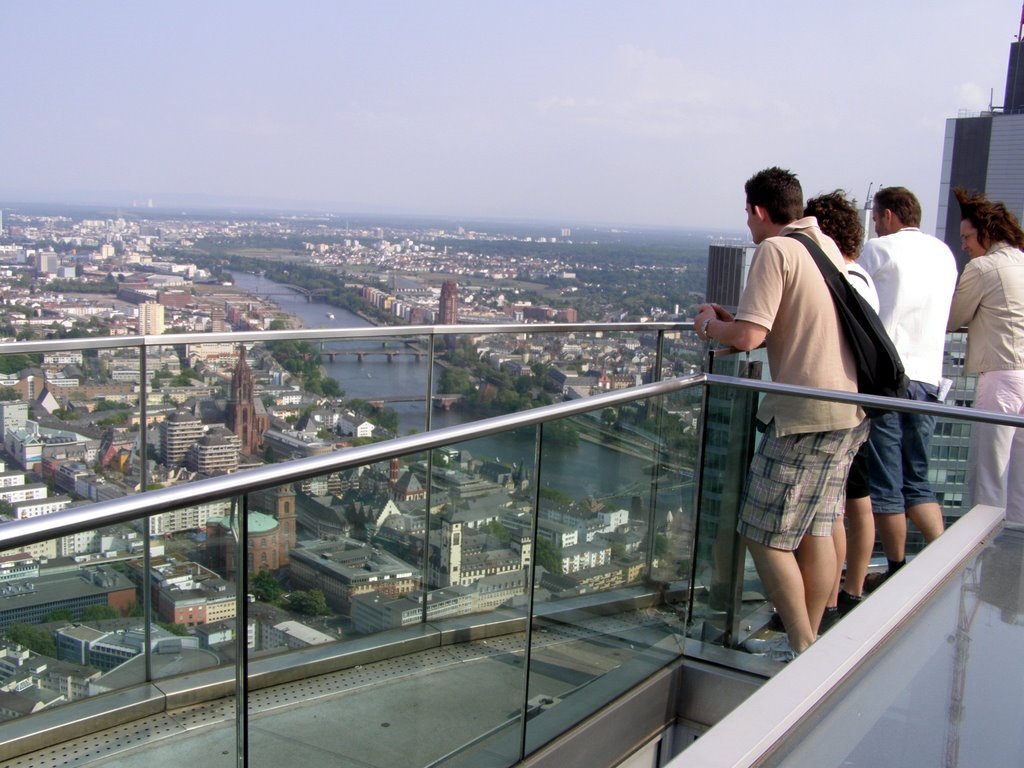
(329, 334)
(959, 412)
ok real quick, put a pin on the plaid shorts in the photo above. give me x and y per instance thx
(797, 484)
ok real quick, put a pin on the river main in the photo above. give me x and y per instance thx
(586, 469)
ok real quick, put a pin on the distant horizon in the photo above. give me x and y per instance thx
(269, 211)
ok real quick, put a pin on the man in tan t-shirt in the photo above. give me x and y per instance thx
(795, 487)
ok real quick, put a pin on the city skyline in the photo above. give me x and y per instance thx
(650, 116)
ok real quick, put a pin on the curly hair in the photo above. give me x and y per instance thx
(839, 219)
(994, 222)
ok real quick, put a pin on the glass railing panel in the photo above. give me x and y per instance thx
(365, 565)
(941, 689)
(676, 419)
(952, 438)
(71, 619)
(728, 616)
(616, 500)
(194, 581)
(725, 588)
(482, 524)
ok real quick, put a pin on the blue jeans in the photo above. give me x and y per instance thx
(898, 456)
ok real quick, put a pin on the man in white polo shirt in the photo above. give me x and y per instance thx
(915, 275)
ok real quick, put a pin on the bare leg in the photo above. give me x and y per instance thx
(839, 544)
(784, 582)
(818, 569)
(928, 519)
(860, 541)
(892, 529)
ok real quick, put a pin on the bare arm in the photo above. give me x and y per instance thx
(723, 328)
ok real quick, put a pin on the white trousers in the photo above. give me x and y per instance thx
(997, 453)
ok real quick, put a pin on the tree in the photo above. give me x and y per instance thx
(14, 363)
(555, 496)
(455, 381)
(33, 638)
(609, 417)
(110, 405)
(331, 388)
(661, 546)
(62, 614)
(99, 613)
(561, 433)
(499, 531)
(311, 603)
(174, 629)
(548, 555)
(266, 588)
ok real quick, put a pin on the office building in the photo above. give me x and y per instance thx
(177, 434)
(728, 265)
(448, 310)
(214, 453)
(151, 318)
(984, 152)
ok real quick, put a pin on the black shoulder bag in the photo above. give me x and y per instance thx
(879, 368)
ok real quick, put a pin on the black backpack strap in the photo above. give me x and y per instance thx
(828, 270)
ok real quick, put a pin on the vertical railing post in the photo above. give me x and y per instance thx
(425, 582)
(530, 575)
(241, 543)
(428, 419)
(147, 588)
(657, 449)
(427, 422)
(659, 357)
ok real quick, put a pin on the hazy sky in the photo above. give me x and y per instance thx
(576, 112)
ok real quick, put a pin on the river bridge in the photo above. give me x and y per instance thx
(359, 354)
(444, 402)
(291, 290)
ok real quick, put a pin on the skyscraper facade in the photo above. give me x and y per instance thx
(985, 153)
(151, 318)
(448, 311)
(728, 265)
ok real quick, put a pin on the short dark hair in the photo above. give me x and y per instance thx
(901, 202)
(778, 191)
(994, 222)
(839, 219)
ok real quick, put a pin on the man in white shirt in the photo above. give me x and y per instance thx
(915, 275)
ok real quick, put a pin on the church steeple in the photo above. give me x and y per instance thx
(241, 411)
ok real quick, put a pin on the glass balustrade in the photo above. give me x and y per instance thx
(462, 604)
